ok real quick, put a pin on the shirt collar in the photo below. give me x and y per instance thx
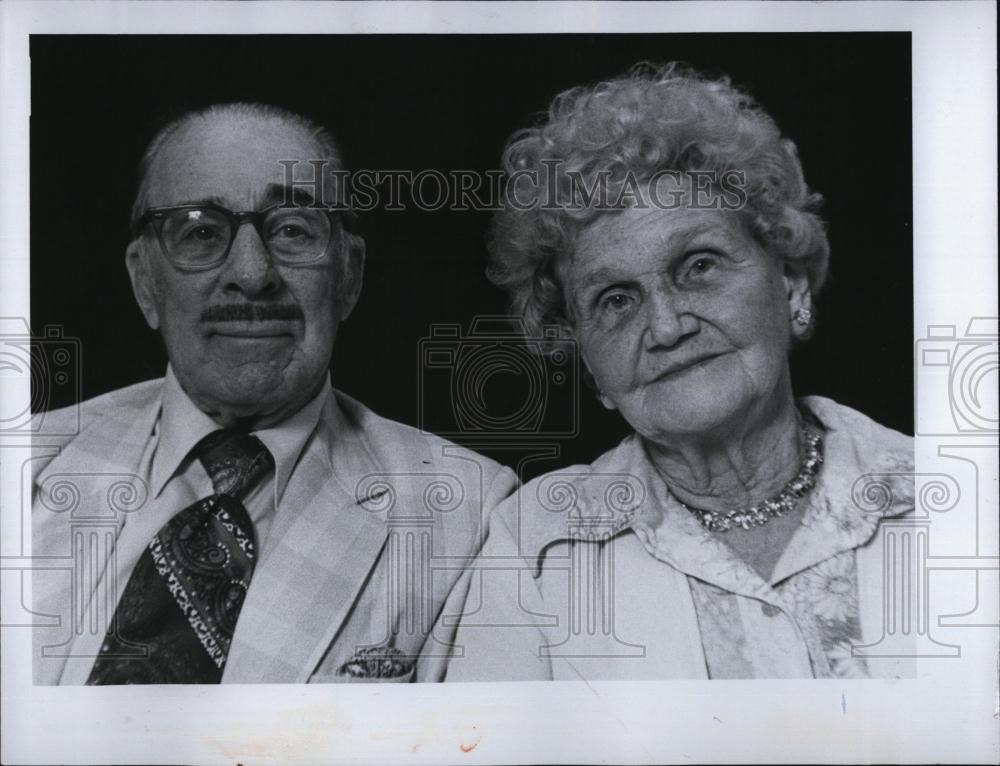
(182, 425)
(866, 476)
(286, 439)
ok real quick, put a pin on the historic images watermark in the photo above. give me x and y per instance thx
(552, 188)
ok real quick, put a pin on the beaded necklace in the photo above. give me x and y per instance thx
(780, 504)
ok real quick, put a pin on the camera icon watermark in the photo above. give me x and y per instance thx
(960, 370)
(501, 382)
(50, 365)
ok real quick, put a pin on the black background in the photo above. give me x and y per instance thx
(449, 102)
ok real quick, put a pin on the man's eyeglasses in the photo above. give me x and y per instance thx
(199, 237)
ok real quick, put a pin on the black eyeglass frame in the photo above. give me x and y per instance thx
(156, 216)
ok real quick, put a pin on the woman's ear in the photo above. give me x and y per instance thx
(601, 396)
(144, 285)
(799, 298)
(591, 381)
(566, 332)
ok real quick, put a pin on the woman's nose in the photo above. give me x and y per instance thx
(667, 322)
(249, 268)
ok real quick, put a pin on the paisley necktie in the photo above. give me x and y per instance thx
(175, 620)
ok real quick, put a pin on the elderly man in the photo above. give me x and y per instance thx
(239, 520)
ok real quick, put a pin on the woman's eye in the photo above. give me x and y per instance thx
(616, 303)
(700, 265)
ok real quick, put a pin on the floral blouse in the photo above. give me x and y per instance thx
(823, 600)
(815, 581)
(672, 600)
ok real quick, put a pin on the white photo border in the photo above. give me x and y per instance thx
(947, 715)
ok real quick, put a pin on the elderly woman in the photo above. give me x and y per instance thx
(663, 222)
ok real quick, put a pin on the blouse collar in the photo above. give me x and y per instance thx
(867, 475)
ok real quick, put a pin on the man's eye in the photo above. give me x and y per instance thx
(291, 230)
(202, 234)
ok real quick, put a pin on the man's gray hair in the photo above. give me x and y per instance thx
(326, 148)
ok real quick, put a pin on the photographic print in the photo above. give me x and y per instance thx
(548, 366)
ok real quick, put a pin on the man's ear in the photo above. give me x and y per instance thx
(143, 283)
(799, 298)
(352, 276)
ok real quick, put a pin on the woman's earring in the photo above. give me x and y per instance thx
(803, 317)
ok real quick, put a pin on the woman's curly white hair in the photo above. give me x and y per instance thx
(651, 119)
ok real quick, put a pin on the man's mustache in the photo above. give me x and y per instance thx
(251, 312)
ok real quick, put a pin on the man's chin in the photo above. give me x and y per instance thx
(243, 355)
(252, 395)
(253, 414)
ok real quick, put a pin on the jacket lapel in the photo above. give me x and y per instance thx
(316, 560)
(95, 477)
(80, 502)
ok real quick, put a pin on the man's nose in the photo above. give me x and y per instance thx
(667, 320)
(249, 268)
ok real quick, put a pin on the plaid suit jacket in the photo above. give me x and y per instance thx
(368, 550)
